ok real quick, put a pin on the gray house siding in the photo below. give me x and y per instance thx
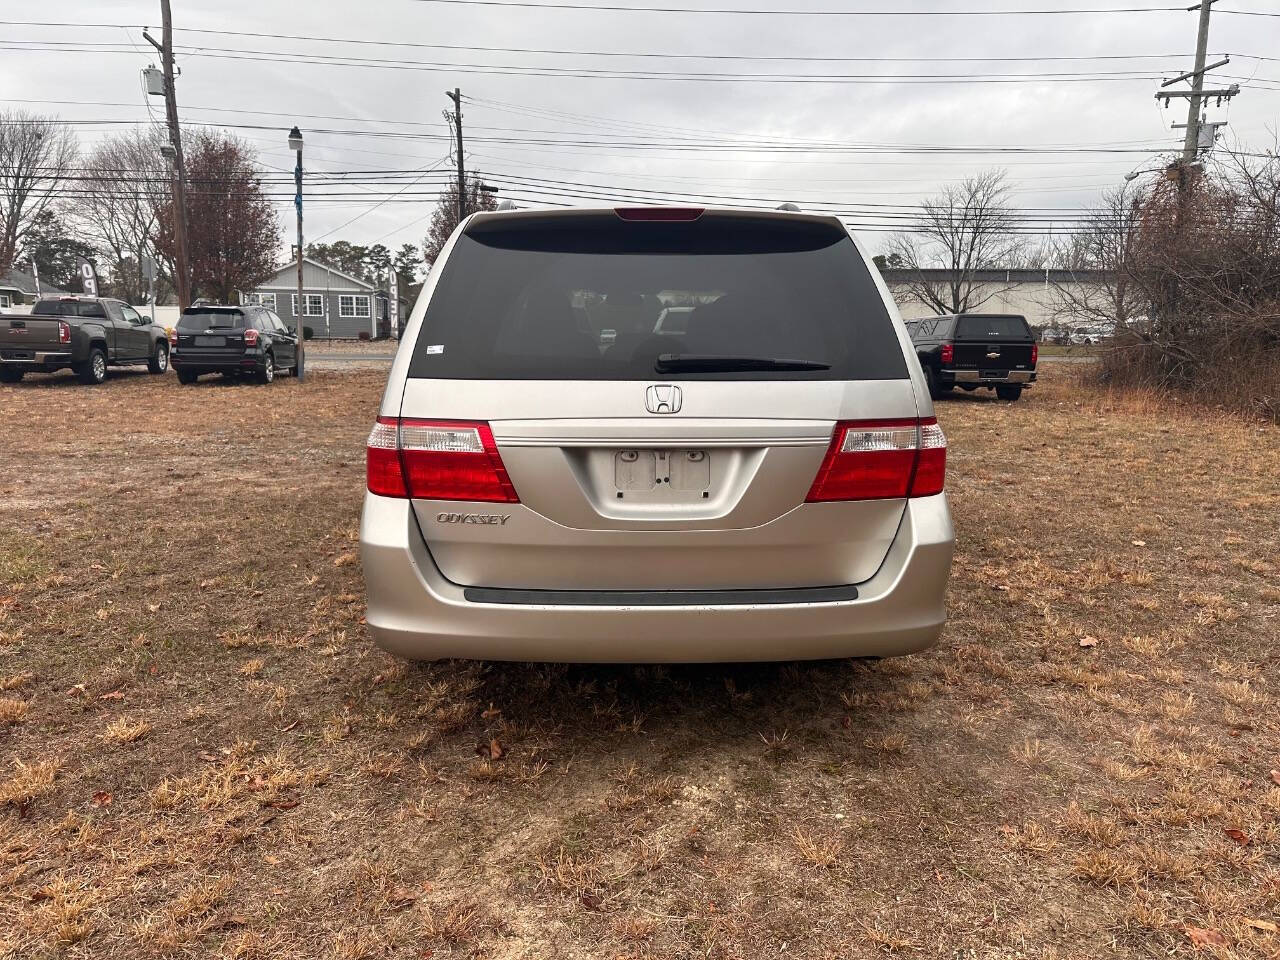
(337, 305)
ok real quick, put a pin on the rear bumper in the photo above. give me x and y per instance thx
(1024, 377)
(37, 360)
(416, 613)
(194, 362)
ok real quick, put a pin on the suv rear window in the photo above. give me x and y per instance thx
(594, 297)
(68, 308)
(203, 319)
(993, 328)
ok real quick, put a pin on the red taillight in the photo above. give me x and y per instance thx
(664, 214)
(64, 332)
(1035, 353)
(948, 353)
(882, 460)
(251, 337)
(436, 460)
(173, 338)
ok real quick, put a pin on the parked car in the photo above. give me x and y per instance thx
(85, 334)
(971, 350)
(768, 484)
(233, 341)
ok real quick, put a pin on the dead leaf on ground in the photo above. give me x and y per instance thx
(1239, 836)
(102, 798)
(207, 757)
(493, 750)
(492, 712)
(1088, 641)
(1275, 777)
(401, 897)
(1203, 937)
(1138, 543)
(346, 560)
(113, 695)
(1266, 926)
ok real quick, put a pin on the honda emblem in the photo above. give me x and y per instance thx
(662, 398)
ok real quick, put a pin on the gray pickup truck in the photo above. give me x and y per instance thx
(85, 334)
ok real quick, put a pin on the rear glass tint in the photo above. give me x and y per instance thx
(68, 308)
(204, 319)
(992, 328)
(593, 297)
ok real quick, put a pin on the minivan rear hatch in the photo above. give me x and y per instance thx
(647, 454)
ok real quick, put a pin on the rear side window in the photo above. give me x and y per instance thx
(68, 308)
(993, 328)
(204, 319)
(594, 297)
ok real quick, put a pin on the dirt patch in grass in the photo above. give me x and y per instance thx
(202, 754)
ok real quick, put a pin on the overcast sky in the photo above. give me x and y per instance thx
(701, 130)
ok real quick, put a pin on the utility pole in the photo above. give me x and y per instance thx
(456, 97)
(165, 46)
(1196, 96)
(1192, 142)
(300, 358)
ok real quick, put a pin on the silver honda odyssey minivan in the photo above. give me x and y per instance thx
(655, 434)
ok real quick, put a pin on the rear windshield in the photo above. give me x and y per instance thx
(204, 319)
(598, 298)
(993, 328)
(68, 308)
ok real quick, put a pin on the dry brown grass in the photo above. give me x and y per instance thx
(208, 758)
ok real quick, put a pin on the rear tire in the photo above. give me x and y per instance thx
(187, 376)
(11, 376)
(1010, 392)
(159, 361)
(936, 389)
(94, 370)
(268, 372)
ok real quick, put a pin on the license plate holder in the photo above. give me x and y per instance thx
(680, 471)
(211, 341)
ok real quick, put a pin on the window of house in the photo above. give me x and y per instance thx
(267, 300)
(350, 305)
(314, 304)
(4, 300)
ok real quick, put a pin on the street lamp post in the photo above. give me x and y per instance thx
(295, 143)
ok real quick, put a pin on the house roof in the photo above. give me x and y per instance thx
(24, 283)
(319, 265)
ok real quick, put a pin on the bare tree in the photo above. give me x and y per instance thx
(36, 154)
(126, 179)
(1100, 288)
(969, 227)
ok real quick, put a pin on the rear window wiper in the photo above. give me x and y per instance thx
(715, 363)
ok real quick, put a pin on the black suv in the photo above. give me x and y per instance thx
(233, 341)
(972, 350)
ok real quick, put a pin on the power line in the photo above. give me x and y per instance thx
(643, 54)
(1041, 11)
(533, 70)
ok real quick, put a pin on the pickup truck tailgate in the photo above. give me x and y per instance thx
(28, 334)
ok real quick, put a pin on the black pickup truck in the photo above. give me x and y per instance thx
(86, 334)
(972, 350)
